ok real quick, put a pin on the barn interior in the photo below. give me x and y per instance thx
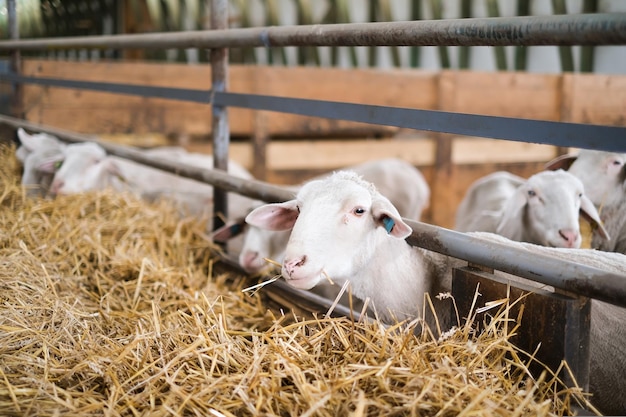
(113, 305)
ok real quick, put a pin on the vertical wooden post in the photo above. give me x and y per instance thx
(442, 205)
(260, 140)
(221, 134)
(443, 177)
(15, 64)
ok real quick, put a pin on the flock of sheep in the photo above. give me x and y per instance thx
(348, 226)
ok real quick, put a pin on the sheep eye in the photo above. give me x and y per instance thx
(359, 211)
(531, 193)
(298, 208)
(58, 164)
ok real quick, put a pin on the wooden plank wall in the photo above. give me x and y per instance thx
(296, 147)
(523, 95)
(111, 113)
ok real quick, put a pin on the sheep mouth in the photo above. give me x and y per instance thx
(253, 266)
(303, 283)
(561, 245)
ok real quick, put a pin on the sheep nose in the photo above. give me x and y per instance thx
(570, 236)
(56, 186)
(247, 260)
(290, 266)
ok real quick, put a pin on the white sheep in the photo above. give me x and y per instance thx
(34, 151)
(342, 228)
(604, 177)
(544, 209)
(607, 351)
(399, 181)
(86, 166)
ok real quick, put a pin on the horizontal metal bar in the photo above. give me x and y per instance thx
(570, 276)
(184, 94)
(574, 277)
(574, 29)
(608, 138)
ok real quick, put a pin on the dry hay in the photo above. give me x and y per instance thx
(110, 306)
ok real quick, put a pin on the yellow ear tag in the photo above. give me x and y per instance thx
(586, 232)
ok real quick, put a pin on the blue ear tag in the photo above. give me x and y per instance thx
(235, 229)
(389, 224)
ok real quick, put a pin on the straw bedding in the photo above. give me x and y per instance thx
(112, 306)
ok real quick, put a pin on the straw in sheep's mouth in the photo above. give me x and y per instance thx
(273, 262)
(260, 285)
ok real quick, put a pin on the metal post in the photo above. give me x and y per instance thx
(15, 63)
(219, 78)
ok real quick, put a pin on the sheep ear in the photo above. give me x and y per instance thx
(388, 217)
(229, 230)
(51, 165)
(26, 140)
(114, 169)
(560, 162)
(509, 226)
(277, 216)
(589, 213)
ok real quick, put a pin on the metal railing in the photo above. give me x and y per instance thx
(589, 29)
(569, 276)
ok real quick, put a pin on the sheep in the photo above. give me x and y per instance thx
(604, 177)
(399, 181)
(607, 349)
(34, 150)
(544, 209)
(342, 228)
(607, 353)
(42, 153)
(86, 166)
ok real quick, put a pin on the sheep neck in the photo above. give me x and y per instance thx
(394, 278)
